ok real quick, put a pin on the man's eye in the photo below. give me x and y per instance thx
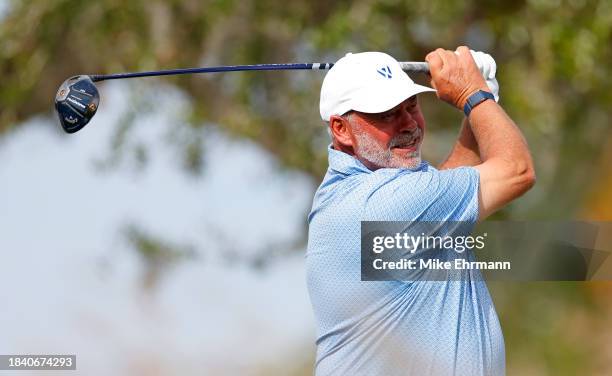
(388, 115)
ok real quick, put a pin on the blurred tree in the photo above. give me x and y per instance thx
(553, 69)
(157, 255)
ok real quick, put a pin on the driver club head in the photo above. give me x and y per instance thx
(76, 102)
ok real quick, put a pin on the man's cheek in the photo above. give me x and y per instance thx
(420, 119)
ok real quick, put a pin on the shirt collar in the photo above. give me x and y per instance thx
(345, 164)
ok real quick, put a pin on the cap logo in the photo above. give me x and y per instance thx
(385, 72)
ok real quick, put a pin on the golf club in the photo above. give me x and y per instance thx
(77, 99)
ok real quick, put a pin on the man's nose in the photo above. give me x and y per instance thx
(407, 122)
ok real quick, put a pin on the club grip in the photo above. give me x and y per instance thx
(414, 66)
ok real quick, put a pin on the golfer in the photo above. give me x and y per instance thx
(376, 173)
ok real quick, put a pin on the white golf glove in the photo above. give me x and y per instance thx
(488, 68)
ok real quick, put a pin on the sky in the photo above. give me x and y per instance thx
(71, 283)
(3, 8)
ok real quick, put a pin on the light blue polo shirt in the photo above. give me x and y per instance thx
(395, 327)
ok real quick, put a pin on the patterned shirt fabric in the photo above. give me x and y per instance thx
(417, 327)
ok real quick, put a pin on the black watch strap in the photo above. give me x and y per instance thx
(476, 99)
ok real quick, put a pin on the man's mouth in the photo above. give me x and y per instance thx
(408, 145)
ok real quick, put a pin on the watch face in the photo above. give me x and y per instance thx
(475, 99)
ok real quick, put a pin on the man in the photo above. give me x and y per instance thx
(376, 173)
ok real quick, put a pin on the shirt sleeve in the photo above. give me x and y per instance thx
(432, 195)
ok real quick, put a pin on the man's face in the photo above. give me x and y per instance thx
(391, 139)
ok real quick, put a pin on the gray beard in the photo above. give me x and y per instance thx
(381, 157)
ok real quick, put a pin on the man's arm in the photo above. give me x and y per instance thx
(465, 151)
(506, 171)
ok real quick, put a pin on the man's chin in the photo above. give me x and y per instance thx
(400, 162)
(410, 163)
(406, 158)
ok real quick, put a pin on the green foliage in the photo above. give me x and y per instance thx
(549, 327)
(553, 59)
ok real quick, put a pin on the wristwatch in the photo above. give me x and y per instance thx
(476, 99)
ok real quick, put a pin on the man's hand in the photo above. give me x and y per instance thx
(454, 75)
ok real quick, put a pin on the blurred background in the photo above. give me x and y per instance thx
(168, 236)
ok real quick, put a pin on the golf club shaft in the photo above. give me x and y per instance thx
(411, 66)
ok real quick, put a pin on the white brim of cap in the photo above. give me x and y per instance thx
(371, 104)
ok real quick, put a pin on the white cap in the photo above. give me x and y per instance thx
(370, 82)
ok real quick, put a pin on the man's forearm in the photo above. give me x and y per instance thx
(507, 170)
(497, 136)
(465, 151)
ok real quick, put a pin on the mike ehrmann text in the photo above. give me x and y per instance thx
(437, 264)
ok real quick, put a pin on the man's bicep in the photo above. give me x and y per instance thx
(500, 182)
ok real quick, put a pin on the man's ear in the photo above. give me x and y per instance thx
(341, 130)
